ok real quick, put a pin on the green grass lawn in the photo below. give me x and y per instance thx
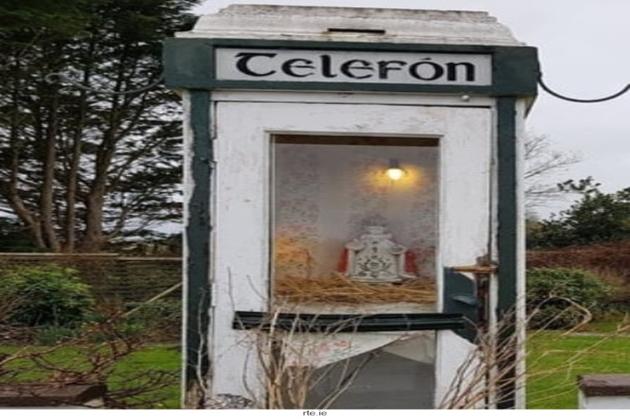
(163, 358)
(554, 362)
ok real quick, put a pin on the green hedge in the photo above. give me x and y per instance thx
(46, 295)
(548, 289)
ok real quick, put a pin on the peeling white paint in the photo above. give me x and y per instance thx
(243, 122)
(521, 316)
(452, 353)
(243, 203)
(189, 185)
(314, 24)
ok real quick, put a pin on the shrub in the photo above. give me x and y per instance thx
(48, 295)
(9, 302)
(548, 287)
(52, 335)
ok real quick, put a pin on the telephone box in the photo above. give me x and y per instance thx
(354, 204)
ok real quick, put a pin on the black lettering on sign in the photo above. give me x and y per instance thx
(242, 64)
(385, 66)
(323, 66)
(327, 67)
(426, 70)
(349, 67)
(289, 66)
(451, 71)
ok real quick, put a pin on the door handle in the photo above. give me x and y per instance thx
(477, 269)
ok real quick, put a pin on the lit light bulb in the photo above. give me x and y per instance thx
(394, 172)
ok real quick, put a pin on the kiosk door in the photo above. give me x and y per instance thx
(280, 162)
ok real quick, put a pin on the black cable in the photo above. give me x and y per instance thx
(578, 100)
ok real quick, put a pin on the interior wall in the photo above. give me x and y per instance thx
(383, 381)
(326, 194)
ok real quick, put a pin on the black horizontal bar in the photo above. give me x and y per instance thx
(331, 323)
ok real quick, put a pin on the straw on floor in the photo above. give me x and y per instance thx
(339, 289)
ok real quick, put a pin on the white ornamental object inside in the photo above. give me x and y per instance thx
(375, 257)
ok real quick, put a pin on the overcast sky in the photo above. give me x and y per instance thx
(583, 49)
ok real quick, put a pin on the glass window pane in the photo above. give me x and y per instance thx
(355, 223)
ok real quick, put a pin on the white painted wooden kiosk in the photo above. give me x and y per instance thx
(291, 116)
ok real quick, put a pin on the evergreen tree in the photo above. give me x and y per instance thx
(79, 168)
(595, 218)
